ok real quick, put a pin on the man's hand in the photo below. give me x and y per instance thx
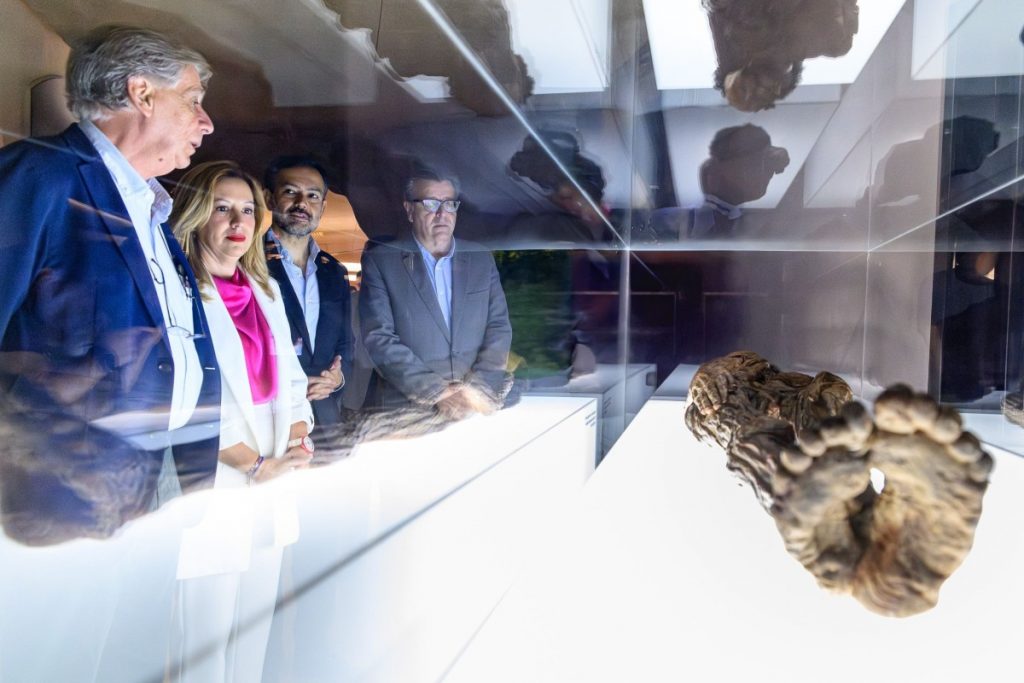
(454, 406)
(478, 400)
(327, 382)
(462, 400)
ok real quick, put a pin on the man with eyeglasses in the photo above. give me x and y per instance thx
(314, 284)
(103, 338)
(432, 311)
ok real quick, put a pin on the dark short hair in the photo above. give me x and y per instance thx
(431, 175)
(739, 141)
(283, 163)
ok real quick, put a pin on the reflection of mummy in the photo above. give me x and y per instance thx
(62, 479)
(891, 550)
(335, 442)
(761, 45)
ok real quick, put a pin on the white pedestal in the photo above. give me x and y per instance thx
(403, 550)
(620, 392)
(669, 570)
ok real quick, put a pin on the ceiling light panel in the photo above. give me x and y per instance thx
(563, 42)
(684, 53)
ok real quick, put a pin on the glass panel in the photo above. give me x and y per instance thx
(549, 216)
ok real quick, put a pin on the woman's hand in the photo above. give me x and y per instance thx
(294, 459)
(243, 458)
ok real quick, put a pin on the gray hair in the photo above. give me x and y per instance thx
(100, 66)
(430, 175)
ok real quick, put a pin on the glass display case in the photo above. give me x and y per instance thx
(834, 185)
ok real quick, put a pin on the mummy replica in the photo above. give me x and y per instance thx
(808, 450)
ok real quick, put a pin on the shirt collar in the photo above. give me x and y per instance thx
(730, 211)
(128, 181)
(314, 248)
(429, 258)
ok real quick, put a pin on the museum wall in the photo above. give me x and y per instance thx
(29, 51)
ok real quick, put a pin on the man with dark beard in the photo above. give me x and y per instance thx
(313, 283)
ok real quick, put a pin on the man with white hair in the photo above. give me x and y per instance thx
(100, 325)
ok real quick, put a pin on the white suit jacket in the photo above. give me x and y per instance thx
(238, 419)
(236, 518)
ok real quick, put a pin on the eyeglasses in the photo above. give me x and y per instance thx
(432, 205)
(173, 328)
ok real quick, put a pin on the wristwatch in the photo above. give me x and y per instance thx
(305, 443)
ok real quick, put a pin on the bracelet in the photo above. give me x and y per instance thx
(250, 476)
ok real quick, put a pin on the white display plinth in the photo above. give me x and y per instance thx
(669, 570)
(676, 386)
(403, 550)
(620, 391)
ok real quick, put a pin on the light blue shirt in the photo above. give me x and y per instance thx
(148, 206)
(440, 272)
(305, 286)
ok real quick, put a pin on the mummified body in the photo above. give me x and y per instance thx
(808, 450)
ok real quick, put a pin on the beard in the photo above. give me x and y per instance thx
(292, 226)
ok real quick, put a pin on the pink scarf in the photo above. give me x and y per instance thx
(254, 332)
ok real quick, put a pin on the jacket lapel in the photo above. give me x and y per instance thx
(234, 374)
(325, 281)
(275, 265)
(461, 277)
(281, 332)
(113, 215)
(203, 341)
(413, 262)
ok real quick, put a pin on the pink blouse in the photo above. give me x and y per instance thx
(254, 332)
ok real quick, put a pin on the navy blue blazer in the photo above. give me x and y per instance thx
(77, 294)
(333, 334)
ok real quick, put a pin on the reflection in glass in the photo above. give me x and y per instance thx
(761, 46)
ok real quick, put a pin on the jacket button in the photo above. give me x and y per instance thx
(164, 366)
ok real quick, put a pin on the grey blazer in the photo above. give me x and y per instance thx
(414, 353)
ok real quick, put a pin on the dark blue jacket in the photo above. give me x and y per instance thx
(77, 296)
(333, 335)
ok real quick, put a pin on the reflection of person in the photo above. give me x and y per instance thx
(313, 283)
(576, 221)
(537, 278)
(265, 416)
(97, 317)
(741, 163)
(967, 141)
(432, 311)
(968, 333)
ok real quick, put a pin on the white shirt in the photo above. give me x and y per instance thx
(148, 206)
(306, 288)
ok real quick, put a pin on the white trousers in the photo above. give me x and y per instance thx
(221, 623)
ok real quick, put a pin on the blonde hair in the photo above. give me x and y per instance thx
(193, 206)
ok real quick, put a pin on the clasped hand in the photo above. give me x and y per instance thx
(327, 382)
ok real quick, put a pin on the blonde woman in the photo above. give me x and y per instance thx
(230, 562)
